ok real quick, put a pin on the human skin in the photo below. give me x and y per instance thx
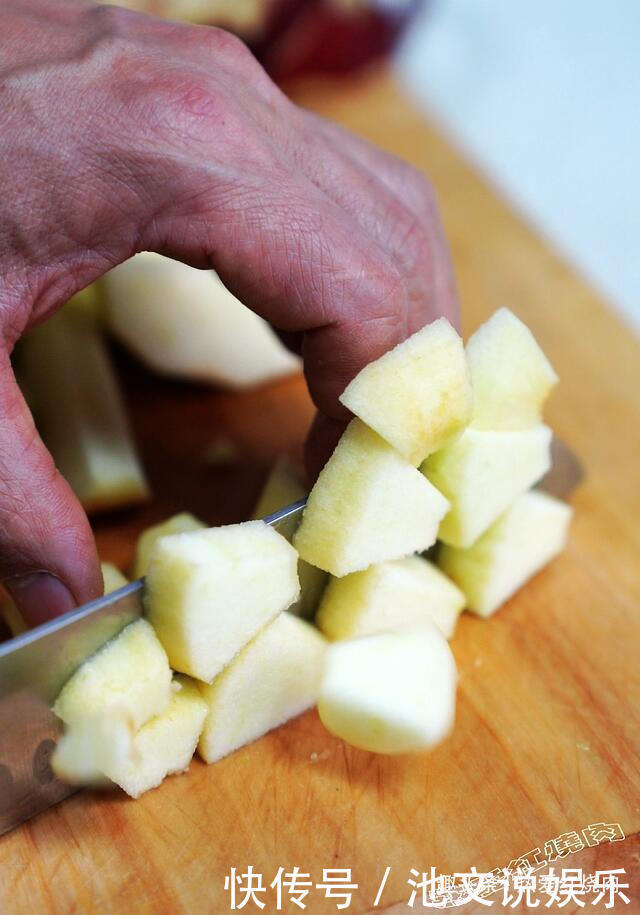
(121, 133)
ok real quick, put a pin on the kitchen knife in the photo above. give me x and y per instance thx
(34, 667)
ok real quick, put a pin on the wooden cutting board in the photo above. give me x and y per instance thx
(546, 740)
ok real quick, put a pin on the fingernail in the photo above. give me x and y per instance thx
(39, 596)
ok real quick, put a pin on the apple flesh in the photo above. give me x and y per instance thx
(130, 673)
(274, 678)
(523, 540)
(482, 473)
(182, 321)
(368, 505)
(418, 395)
(510, 375)
(181, 523)
(394, 595)
(209, 592)
(282, 487)
(112, 577)
(391, 692)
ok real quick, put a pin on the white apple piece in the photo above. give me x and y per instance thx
(182, 321)
(165, 745)
(417, 396)
(395, 595)
(482, 473)
(368, 504)
(510, 375)
(92, 745)
(181, 523)
(209, 592)
(523, 540)
(130, 673)
(282, 487)
(112, 577)
(391, 692)
(73, 391)
(274, 678)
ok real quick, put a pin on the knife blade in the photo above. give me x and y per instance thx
(35, 665)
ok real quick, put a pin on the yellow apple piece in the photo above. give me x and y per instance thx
(482, 473)
(182, 321)
(209, 592)
(130, 673)
(112, 577)
(418, 395)
(523, 540)
(282, 487)
(11, 615)
(274, 678)
(181, 523)
(510, 375)
(368, 504)
(73, 391)
(394, 595)
(390, 692)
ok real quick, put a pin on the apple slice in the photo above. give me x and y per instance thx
(391, 692)
(523, 540)
(367, 505)
(510, 375)
(92, 745)
(395, 595)
(274, 678)
(181, 523)
(182, 321)
(482, 473)
(418, 395)
(130, 673)
(282, 487)
(112, 577)
(165, 745)
(73, 391)
(209, 592)
(11, 615)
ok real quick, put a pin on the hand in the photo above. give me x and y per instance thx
(121, 133)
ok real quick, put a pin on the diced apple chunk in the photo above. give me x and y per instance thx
(274, 678)
(510, 375)
(93, 745)
(130, 673)
(209, 592)
(281, 488)
(391, 692)
(112, 577)
(418, 395)
(165, 745)
(367, 505)
(395, 595)
(523, 540)
(482, 473)
(183, 321)
(181, 523)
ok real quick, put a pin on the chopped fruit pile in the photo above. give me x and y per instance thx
(446, 445)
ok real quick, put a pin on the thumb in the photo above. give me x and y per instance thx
(48, 559)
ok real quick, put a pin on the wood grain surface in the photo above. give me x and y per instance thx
(546, 738)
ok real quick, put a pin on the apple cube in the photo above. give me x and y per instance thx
(92, 745)
(391, 692)
(368, 504)
(417, 396)
(182, 321)
(394, 595)
(165, 745)
(523, 540)
(274, 678)
(283, 487)
(130, 673)
(209, 592)
(482, 473)
(510, 375)
(112, 577)
(181, 523)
